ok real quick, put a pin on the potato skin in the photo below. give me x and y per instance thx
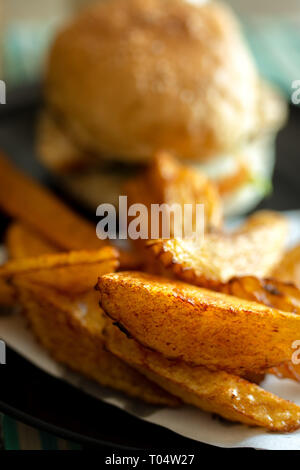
(199, 326)
(71, 329)
(218, 392)
(254, 249)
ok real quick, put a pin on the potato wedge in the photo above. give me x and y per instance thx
(26, 200)
(7, 294)
(23, 242)
(56, 260)
(289, 267)
(271, 292)
(172, 182)
(218, 392)
(197, 325)
(254, 249)
(169, 182)
(72, 331)
(74, 272)
(288, 270)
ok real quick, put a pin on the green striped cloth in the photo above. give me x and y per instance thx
(19, 436)
(276, 48)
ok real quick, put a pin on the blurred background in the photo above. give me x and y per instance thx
(272, 28)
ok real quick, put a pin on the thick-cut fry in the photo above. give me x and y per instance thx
(271, 292)
(199, 326)
(7, 294)
(36, 206)
(26, 200)
(72, 331)
(57, 260)
(175, 183)
(74, 272)
(288, 270)
(289, 267)
(229, 396)
(254, 249)
(169, 182)
(22, 242)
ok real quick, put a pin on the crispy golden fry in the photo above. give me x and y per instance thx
(288, 270)
(23, 242)
(169, 182)
(254, 249)
(41, 210)
(173, 182)
(74, 272)
(288, 370)
(72, 331)
(7, 294)
(289, 267)
(218, 392)
(278, 294)
(23, 198)
(199, 326)
(271, 292)
(56, 260)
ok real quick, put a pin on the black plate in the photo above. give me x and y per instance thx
(34, 397)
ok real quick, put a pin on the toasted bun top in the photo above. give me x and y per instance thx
(128, 77)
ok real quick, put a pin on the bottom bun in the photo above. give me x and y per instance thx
(243, 178)
(104, 185)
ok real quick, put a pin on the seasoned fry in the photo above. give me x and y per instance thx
(72, 331)
(74, 272)
(288, 270)
(254, 249)
(288, 370)
(218, 392)
(7, 294)
(37, 207)
(271, 292)
(169, 182)
(173, 182)
(26, 200)
(199, 326)
(57, 260)
(23, 242)
(289, 267)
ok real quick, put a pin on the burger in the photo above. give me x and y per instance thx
(127, 78)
